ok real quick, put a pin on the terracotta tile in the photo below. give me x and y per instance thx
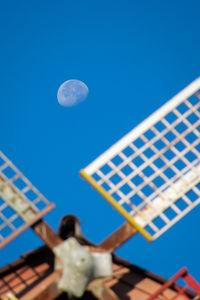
(149, 285)
(138, 295)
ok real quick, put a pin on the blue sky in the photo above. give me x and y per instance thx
(133, 56)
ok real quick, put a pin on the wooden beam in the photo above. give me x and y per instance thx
(118, 237)
(47, 234)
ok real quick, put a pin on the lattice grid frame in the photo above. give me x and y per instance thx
(21, 204)
(152, 175)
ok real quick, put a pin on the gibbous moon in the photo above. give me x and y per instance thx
(72, 92)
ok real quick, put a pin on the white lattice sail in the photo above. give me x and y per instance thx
(21, 204)
(152, 175)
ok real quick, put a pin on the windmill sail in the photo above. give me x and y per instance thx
(152, 175)
(21, 204)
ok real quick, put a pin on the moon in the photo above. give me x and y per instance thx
(72, 92)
